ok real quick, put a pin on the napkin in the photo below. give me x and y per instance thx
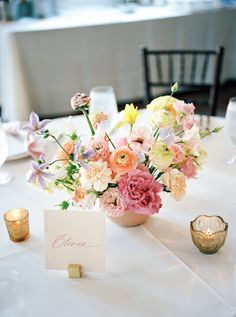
(21, 144)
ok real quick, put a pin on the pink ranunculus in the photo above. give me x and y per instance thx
(112, 203)
(140, 191)
(181, 106)
(101, 150)
(189, 168)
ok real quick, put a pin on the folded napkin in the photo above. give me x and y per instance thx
(21, 143)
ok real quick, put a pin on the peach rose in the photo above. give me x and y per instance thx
(69, 148)
(123, 160)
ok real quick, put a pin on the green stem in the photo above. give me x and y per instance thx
(206, 134)
(59, 144)
(88, 121)
(171, 95)
(71, 189)
(58, 161)
(110, 140)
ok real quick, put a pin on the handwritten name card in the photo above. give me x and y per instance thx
(74, 237)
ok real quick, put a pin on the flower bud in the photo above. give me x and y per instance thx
(80, 100)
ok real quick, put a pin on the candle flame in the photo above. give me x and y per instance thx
(209, 232)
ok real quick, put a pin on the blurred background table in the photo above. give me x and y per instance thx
(43, 63)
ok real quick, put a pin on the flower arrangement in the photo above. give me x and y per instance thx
(128, 172)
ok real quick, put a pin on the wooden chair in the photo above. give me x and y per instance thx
(195, 71)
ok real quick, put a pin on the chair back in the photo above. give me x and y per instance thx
(194, 70)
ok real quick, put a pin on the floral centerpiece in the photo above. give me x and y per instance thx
(128, 173)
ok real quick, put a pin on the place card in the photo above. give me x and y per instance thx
(74, 237)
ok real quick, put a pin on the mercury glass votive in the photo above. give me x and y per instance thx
(17, 222)
(208, 233)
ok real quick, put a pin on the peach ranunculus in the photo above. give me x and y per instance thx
(175, 181)
(69, 148)
(123, 160)
(101, 149)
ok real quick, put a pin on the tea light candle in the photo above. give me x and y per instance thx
(17, 222)
(208, 233)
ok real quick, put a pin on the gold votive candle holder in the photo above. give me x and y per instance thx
(17, 222)
(208, 233)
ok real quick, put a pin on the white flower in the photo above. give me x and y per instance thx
(96, 176)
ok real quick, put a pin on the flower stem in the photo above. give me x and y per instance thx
(110, 140)
(59, 144)
(88, 120)
(58, 161)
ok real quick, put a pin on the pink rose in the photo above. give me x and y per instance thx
(189, 168)
(113, 203)
(141, 192)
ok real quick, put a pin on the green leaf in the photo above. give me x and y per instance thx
(217, 129)
(175, 88)
(74, 136)
(64, 205)
(71, 169)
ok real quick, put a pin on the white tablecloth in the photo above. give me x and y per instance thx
(152, 270)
